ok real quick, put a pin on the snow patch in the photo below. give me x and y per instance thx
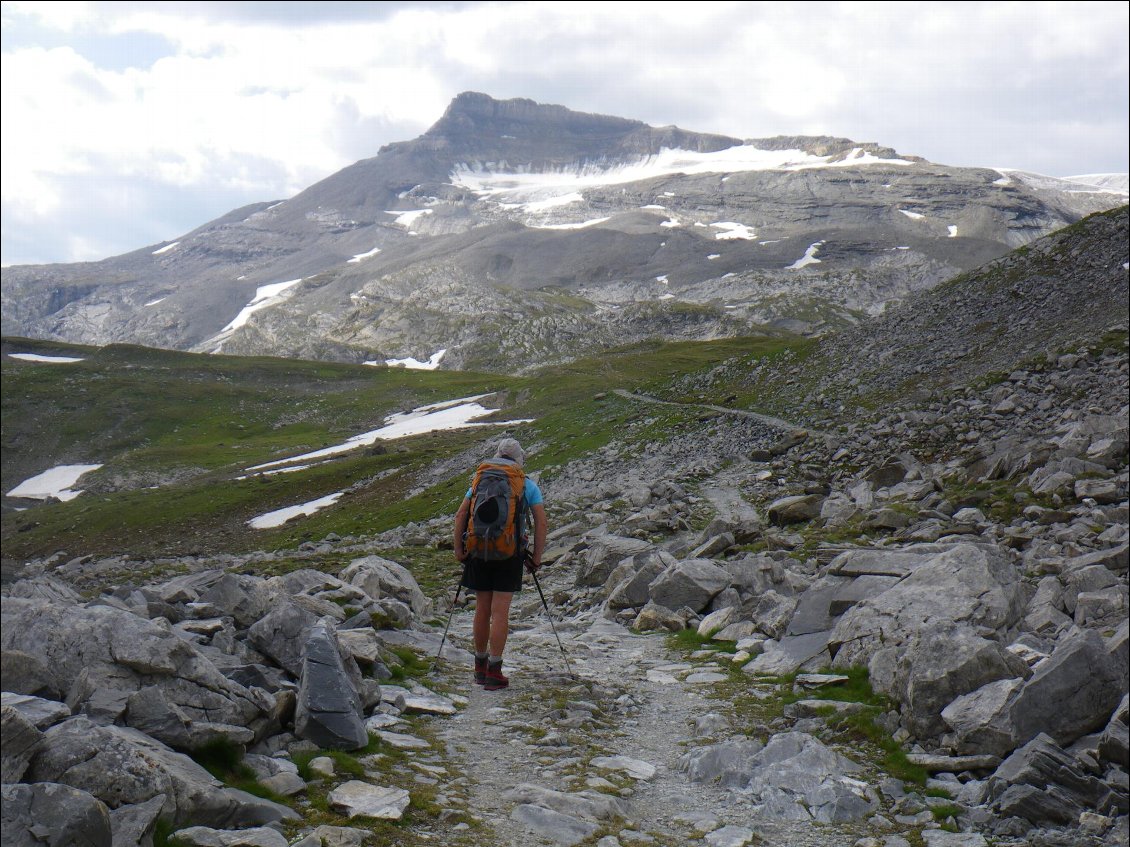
(714, 256)
(732, 231)
(55, 483)
(548, 203)
(662, 279)
(406, 219)
(914, 216)
(666, 296)
(487, 181)
(581, 225)
(51, 360)
(281, 470)
(809, 257)
(952, 231)
(654, 207)
(265, 295)
(166, 248)
(281, 516)
(360, 256)
(158, 300)
(671, 223)
(415, 364)
(450, 414)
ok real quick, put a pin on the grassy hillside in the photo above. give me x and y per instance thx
(173, 432)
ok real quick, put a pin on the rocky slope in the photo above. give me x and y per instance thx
(512, 233)
(908, 626)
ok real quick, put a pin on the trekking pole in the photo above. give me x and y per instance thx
(450, 615)
(534, 574)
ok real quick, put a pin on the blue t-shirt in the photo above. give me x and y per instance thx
(531, 492)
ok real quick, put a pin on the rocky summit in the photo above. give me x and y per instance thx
(866, 589)
(512, 234)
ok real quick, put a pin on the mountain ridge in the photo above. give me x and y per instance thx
(597, 221)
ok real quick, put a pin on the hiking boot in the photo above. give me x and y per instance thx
(494, 678)
(480, 670)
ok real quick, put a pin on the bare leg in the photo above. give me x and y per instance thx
(499, 620)
(480, 629)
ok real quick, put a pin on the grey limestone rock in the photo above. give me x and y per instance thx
(1114, 745)
(379, 578)
(245, 598)
(632, 591)
(203, 836)
(102, 656)
(49, 815)
(588, 805)
(329, 706)
(282, 634)
(356, 798)
(691, 582)
(602, 556)
(795, 509)
(19, 741)
(1071, 693)
(981, 719)
(133, 825)
(23, 673)
(559, 828)
(122, 766)
(653, 617)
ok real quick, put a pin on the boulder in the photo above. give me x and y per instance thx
(47, 815)
(981, 720)
(965, 587)
(793, 777)
(560, 829)
(937, 665)
(1043, 784)
(102, 657)
(43, 713)
(653, 617)
(1071, 693)
(379, 577)
(121, 766)
(362, 799)
(1114, 744)
(19, 741)
(244, 598)
(23, 673)
(791, 653)
(632, 591)
(795, 509)
(329, 705)
(134, 824)
(691, 582)
(603, 554)
(588, 805)
(203, 836)
(282, 634)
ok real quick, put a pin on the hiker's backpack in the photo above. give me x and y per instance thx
(495, 526)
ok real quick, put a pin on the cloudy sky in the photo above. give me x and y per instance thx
(126, 124)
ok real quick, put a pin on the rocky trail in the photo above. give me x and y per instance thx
(726, 410)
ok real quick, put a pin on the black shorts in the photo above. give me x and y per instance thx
(503, 575)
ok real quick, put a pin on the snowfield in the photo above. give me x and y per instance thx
(450, 414)
(51, 360)
(265, 295)
(415, 364)
(55, 483)
(809, 257)
(281, 516)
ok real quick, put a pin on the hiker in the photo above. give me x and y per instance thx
(491, 543)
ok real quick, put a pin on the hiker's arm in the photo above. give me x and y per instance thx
(461, 527)
(539, 533)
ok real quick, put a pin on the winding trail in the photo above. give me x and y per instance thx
(629, 697)
(777, 423)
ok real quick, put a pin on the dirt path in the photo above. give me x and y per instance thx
(744, 413)
(629, 697)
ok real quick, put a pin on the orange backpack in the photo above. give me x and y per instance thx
(498, 503)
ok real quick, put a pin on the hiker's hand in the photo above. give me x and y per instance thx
(532, 566)
(460, 554)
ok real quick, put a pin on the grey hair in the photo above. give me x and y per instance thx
(508, 448)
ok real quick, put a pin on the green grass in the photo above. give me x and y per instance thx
(190, 424)
(224, 760)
